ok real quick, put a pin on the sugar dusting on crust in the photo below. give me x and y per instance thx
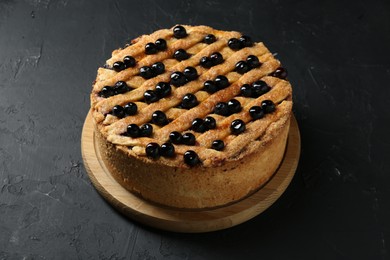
(258, 134)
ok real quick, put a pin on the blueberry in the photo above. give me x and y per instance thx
(178, 79)
(146, 72)
(253, 61)
(163, 89)
(130, 109)
(146, 130)
(188, 139)
(209, 39)
(259, 88)
(242, 67)
(237, 126)
(151, 48)
(180, 55)
(152, 150)
(158, 68)
(106, 92)
(118, 111)
(216, 58)
(246, 41)
(189, 101)
(280, 73)
(234, 44)
(161, 44)
(167, 150)
(221, 82)
(175, 137)
(191, 158)
(150, 96)
(246, 90)
(159, 118)
(256, 112)
(210, 122)
(234, 106)
(133, 130)
(118, 66)
(206, 62)
(210, 86)
(218, 145)
(221, 109)
(129, 61)
(190, 73)
(198, 125)
(121, 87)
(268, 106)
(179, 32)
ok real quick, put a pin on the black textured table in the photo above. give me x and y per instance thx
(337, 55)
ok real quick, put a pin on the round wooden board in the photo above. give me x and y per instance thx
(190, 221)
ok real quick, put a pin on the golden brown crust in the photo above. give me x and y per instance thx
(112, 127)
(197, 188)
(248, 160)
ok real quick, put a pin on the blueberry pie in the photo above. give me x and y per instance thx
(192, 117)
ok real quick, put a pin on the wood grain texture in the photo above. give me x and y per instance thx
(187, 220)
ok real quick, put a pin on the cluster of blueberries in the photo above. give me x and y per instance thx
(180, 32)
(254, 90)
(198, 125)
(212, 86)
(180, 78)
(148, 72)
(177, 79)
(135, 131)
(251, 62)
(227, 108)
(242, 42)
(154, 151)
(119, 88)
(153, 48)
(202, 125)
(213, 60)
(266, 107)
(162, 89)
(128, 110)
(150, 48)
(127, 62)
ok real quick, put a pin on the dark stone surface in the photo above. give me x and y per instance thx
(337, 206)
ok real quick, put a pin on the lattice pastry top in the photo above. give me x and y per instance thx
(191, 96)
